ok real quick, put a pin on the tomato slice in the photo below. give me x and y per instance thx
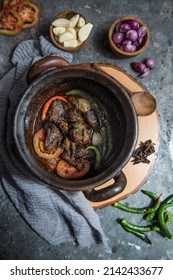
(38, 144)
(83, 172)
(12, 3)
(28, 11)
(68, 171)
(52, 163)
(48, 103)
(65, 170)
(30, 14)
(10, 22)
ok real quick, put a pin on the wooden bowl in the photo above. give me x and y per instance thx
(67, 15)
(116, 49)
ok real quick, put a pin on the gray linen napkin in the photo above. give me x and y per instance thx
(57, 216)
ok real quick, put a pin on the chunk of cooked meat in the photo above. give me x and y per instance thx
(74, 116)
(69, 146)
(74, 102)
(85, 154)
(80, 134)
(53, 137)
(78, 163)
(92, 119)
(69, 154)
(64, 126)
(56, 112)
(73, 150)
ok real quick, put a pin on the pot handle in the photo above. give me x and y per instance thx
(100, 195)
(44, 64)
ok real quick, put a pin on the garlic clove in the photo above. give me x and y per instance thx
(70, 43)
(74, 20)
(61, 22)
(58, 30)
(81, 22)
(79, 43)
(65, 36)
(73, 31)
(85, 31)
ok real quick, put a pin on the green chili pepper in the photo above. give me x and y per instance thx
(141, 235)
(137, 228)
(156, 205)
(150, 216)
(167, 221)
(161, 219)
(97, 154)
(159, 211)
(150, 194)
(129, 209)
(139, 210)
(76, 92)
(154, 196)
(167, 218)
(169, 199)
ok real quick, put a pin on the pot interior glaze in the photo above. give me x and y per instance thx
(112, 98)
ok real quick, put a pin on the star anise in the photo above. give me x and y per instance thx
(144, 150)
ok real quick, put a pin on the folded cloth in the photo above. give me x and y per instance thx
(57, 216)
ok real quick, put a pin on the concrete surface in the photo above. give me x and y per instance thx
(17, 239)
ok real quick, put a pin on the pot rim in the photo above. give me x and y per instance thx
(64, 184)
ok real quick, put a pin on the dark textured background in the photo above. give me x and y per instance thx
(17, 239)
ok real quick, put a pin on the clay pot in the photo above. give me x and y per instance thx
(113, 97)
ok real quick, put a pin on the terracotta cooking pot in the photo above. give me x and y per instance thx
(62, 77)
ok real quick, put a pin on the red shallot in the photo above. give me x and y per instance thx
(149, 62)
(143, 68)
(134, 24)
(142, 31)
(127, 48)
(117, 37)
(124, 27)
(132, 35)
(129, 35)
(139, 67)
(145, 74)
